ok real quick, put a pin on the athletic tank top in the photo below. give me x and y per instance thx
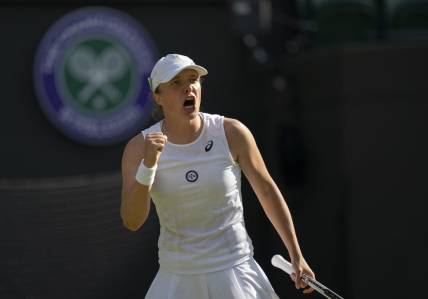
(197, 194)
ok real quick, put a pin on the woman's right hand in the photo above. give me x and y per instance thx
(300, 267)
(154, 144)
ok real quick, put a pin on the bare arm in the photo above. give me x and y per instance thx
(245, 151)
(135, 203)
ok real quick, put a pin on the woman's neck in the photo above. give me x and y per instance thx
(182, 131)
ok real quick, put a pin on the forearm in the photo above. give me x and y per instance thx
(279, 215)
(135, 206)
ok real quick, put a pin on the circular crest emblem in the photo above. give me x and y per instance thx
(192, 176)
(90, 75)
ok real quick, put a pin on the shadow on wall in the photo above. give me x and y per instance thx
(65, 236)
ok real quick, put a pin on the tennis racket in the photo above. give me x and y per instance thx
(281, 263)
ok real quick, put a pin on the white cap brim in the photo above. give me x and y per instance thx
(170, 66)
(199, 69)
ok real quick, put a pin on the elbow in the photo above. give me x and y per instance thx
(133, 216)
(268, 192)
(132, 226)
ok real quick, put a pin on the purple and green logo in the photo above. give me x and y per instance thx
(90, 75)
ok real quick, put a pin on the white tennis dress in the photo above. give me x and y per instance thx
(204, 249)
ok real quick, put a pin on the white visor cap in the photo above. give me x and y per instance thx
(169, 66)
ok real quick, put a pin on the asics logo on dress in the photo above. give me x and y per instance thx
(209, 146)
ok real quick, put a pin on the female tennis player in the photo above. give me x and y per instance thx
(190, 164)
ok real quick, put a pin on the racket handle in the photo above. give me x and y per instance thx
(281, 263)
(320, 288)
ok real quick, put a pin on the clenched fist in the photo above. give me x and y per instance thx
(153, 147)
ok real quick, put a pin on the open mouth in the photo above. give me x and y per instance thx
(189, 103)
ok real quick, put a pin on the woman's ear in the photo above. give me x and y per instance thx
(157, 99)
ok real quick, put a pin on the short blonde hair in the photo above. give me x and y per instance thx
(157, 112)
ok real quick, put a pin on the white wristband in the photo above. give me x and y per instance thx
(145, 176)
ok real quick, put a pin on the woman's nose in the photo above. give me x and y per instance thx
(187, 89)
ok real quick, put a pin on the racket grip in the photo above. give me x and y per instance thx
(281, 263)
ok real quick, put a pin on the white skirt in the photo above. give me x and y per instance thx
(243, 281)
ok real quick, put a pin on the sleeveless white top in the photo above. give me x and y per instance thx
(197, 194)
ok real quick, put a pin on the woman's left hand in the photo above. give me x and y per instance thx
(300, 266)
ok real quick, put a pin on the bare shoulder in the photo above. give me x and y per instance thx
(235, 129)
(135, 146)
(238, 137)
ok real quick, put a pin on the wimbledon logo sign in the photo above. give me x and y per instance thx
(90, 75)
